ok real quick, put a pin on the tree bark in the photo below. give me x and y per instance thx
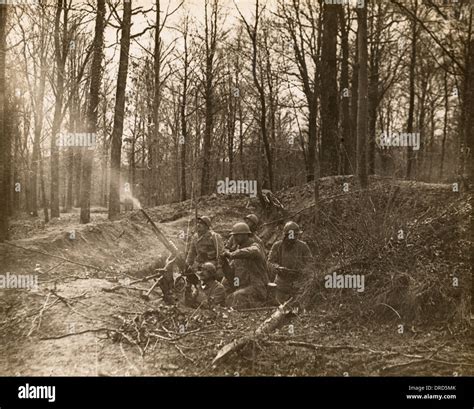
(351, 147)
(92, 111)
(362, 109)
(468, 104)
(4, 138)
(60, 49)
(210, 38)
(184, 119)
(38, 128)
(344, 93)
(329, 99)
(411, 101)
(116, 144)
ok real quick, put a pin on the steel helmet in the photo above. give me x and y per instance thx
(252, 217)
(206, 220)
(291, 226)
(241, 228)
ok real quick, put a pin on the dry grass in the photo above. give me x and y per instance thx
(410, 242)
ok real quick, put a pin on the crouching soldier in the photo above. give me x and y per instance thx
(252, 221)
(210, 292)
(206, 246)
(287, 259)
(245, 271)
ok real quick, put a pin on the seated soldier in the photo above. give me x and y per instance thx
(287, 259)
(245, 271)
(210, 292)
(206, 246)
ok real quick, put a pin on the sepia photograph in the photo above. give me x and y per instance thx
(236, 188)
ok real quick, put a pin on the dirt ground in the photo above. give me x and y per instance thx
(71, 326)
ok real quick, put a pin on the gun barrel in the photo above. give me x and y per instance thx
(170, 246)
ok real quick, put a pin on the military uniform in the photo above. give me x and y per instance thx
(247, 278)
(293, 257)
(209, 295)
(206, 248)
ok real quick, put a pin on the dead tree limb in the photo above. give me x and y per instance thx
(281, 316)
(71, 334)
(158, 275)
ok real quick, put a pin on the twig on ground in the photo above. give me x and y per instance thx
(77, 333)
(393, 309)
(130, 363)
(183, 354)
(38, 317)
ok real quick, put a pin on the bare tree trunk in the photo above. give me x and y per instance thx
(38, 116)
(4, 137)
(155, 147)
(344, 93)
(73, 121)
(351, 147)
(362, 109)
(420, 154)
(60, 48)
(411, 101)
(116, 144)
(92, 111)
(78, 153)
(253, 33)
(329, 100)
(210, 38)
(431, 142)
(373, 93)
(445, 125)
(184, 119)
(468, 103)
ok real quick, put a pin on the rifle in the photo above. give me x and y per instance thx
(287, 273)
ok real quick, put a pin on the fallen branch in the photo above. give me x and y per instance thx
(277, 319)
(38, 317)
(158, 275)
(393, 309)
(71, 334)
(183, 354)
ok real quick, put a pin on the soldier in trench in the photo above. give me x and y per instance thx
(245, 271)
(206, 247)
(287, 259)
(252, 221)
(209, 292)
